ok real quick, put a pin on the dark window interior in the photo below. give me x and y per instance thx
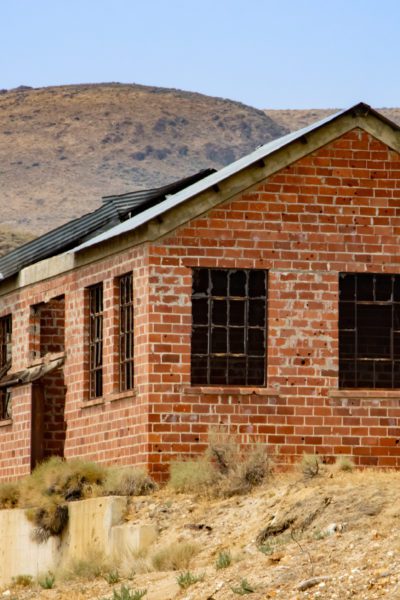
(228, 327)
(5, 364)
(96, 341)
(126, 331)
(369, 331)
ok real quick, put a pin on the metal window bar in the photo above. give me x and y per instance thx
(229, 314)
(5, 404)
(369, 331)
(5, 340)
(126, 331)
(96, 341)
(5, 364)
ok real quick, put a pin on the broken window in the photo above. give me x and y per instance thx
(96, 341)
(369, 331)
(5, 364)
(229, 309)
(126, 332)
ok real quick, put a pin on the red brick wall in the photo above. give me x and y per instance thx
(336, 210)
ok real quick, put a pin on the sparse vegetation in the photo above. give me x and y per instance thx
(47, 580)
(187, 579)
(344, 463)
(310, 465)
(46, 492)
(224, 470)
(127, 594)
(175, 557)
(22, 580)
(89, 568)
(112, 577)
(244, 588)
(9, 495)
(224, 560)
(128, 481)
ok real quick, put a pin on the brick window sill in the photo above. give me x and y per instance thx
(230, 390)
(364, 393)
(114, 397)
(5, 422)
(47, 358)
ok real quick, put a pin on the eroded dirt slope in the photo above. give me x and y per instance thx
(341, 528)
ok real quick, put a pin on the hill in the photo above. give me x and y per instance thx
(296, 119)
(63, 148)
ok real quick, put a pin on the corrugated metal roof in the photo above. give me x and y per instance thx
(213, 180)
(114, 210)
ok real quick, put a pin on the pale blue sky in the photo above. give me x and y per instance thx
(269, 54)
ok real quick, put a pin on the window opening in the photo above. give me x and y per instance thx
(5, 364)
(96, 341)
(126, 331)
(369, 331)
(229, 310)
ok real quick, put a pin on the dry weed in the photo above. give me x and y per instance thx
(344, 463)
(9, 495)
(128, 481)
(310, 465)
(175, 556)
(193, 476)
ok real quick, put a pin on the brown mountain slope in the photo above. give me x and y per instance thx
(62, 148)
(296, 119)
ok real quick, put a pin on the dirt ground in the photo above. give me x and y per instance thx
(338, 531)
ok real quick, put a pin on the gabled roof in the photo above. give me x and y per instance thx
(115, 209)
(213, 181)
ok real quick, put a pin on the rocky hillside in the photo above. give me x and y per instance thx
(62, 148)
(296, 119)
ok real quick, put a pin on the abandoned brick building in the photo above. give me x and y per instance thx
(264, 297)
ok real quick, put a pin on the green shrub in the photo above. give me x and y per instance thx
(224, 560)
(126, 594)
(244, 588)
(47, 580)
(112, 577)
(187, 579)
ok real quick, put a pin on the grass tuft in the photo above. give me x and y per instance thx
(310, 465)
(187, 579)
(244, 588)
(224, 560)
(9, 495)
(174, 557)
(128, 481)
(193, 476)
(47, 580)
(344, 463)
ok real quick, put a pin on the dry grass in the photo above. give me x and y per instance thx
(344, 463)
(46, 492)
(128, 481)
(175, 557)
(310, 465)
(95, 565)
(224, 470)
(193, 476)
(9, 495)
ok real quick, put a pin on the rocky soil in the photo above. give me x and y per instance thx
(332, 537)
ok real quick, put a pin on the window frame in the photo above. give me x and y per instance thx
(96, 339)
(5, 364)
(126, 329)
(246, 366)
(359, 307)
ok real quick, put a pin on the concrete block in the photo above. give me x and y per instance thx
(90, 525)
(128, 539)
